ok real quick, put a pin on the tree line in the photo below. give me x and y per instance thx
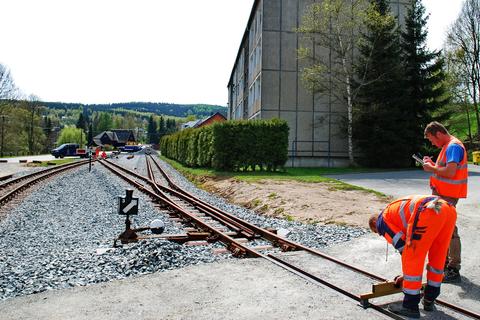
(159, 108)
(87, 127)
(28, 127)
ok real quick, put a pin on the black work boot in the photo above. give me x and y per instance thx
(406, 312)
(428, 305)
(452, 276)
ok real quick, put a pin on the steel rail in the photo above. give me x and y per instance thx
(313, 278)
(277, 261)
(237, 248)
(31, 175)
(34, 178)
(210, 211)
(296, 246)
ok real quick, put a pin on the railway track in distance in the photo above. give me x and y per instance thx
(11, 188)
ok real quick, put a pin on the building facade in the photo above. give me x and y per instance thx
(266, 83)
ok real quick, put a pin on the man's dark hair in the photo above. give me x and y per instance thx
(434, 127)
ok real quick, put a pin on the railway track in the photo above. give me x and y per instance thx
(241, 237)
(11, 188)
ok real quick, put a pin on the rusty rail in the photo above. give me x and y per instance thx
(237, 248)
(290, 245)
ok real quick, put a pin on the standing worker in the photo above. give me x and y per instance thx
(415, 226)
(449, 181)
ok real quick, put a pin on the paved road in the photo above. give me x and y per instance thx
(369, 251)
(400, 183)
(42, 157)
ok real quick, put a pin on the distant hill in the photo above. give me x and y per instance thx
(160, 108)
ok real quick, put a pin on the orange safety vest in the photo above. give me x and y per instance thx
(455, 187)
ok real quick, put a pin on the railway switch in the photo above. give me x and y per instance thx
(127, 206)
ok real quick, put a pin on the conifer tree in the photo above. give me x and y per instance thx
(162, 130)
(424, 76)
(380, 116)
(90, 134)
(81, 123)
(152, 130)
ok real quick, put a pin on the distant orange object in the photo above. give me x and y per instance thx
(104, 155)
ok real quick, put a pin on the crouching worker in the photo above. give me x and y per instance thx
(417, 226)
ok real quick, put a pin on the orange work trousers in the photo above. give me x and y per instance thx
(431, 236)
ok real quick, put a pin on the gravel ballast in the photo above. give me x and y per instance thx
(61, 235)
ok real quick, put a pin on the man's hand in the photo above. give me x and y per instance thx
(398, 281)
(427, 159)
(429, 167)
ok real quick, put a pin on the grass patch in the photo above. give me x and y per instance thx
(263, 208)
(272, 195)
(278, 211)
(311, 175)
(254, 203)
(46, 163)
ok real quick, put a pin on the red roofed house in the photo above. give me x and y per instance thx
(216, 117)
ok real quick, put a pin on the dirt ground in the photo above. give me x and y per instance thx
(306, 202)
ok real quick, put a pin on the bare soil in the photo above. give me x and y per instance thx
(302, 201)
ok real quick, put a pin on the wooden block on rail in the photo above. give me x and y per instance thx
(382, 289)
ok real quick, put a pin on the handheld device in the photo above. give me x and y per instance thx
(417, 158)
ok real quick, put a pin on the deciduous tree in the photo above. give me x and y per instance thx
(333, 25)
(71, 135)
(8, 90)
(464, 41)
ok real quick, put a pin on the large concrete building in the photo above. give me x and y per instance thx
(265, 83)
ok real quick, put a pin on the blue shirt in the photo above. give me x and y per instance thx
(454, 153)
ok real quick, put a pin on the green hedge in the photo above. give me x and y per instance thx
(230, 145)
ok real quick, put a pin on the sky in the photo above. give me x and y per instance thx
(108, 51)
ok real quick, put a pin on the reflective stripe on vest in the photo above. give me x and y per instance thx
(459, 166)
(398, 242)
(452, 181)
(402, 213)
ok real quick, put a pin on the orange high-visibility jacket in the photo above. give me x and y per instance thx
(393, 223)
(455, 187)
